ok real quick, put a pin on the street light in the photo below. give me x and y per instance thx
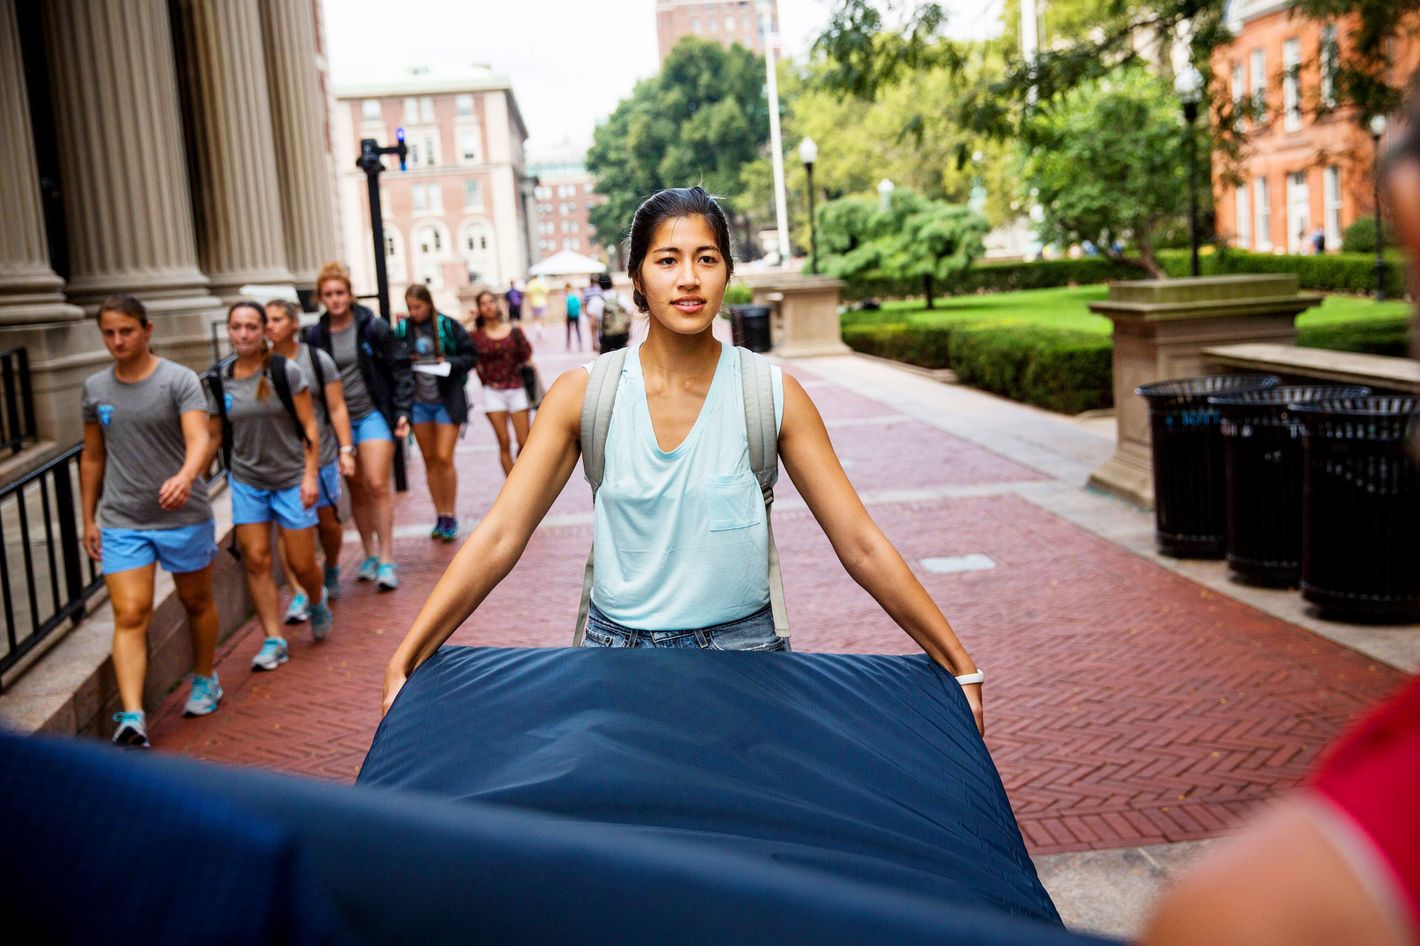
(885, 189)
(1188, 86)
(1377, 127)
(808, 153)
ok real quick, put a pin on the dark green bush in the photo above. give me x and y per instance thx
(922, 345)
(737, 293)
(1360, 237)
(1380, 336)
(1003, 277)
(1331, 272)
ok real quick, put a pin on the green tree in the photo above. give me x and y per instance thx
(1104, 162)
(700, 120)
(912, 238)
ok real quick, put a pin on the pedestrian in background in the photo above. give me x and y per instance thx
(440, 401)
(614, 319)
(267, 429)
(536, 298)
(379, 394)
(574, 315)
(337, 448)
(142, 475)
(514, 298)
(502, 351)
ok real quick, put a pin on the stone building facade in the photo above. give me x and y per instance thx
(462, 213)
(1307, 165)
(174, 151)
(725, 21)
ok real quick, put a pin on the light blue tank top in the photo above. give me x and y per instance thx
(681, 539)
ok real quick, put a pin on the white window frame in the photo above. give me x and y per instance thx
(1299, 210)
(411, 110)
(1331, 209)
(472, 188)
(463, 105)
(1257, 82)
(1244, 217)
(1262, 214)
(1327, 57)
(370, 111)
(426, 109)
(470, 135)
(1291, 85)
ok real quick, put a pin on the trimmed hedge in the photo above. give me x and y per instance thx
(1360, 237)
(1002, 277)
(1379, 336)
(1333, 272)
(1059, 370)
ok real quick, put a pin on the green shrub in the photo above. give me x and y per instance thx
(1331, 272)
(1387, 335)
(926, 346)
(1061, 371)
(1003, 277)
(1360, 237)
(737, 293)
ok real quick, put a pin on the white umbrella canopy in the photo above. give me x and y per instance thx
(567, 263)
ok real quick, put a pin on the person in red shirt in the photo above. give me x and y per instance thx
(502, 351)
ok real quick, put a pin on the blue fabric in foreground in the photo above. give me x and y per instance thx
(855, 778)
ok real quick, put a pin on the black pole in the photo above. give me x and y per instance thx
(1190, 114)
(813, 230)
(1380, 235)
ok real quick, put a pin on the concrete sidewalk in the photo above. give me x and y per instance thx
(1135, 705)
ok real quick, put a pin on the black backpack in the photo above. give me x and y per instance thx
(277, 373)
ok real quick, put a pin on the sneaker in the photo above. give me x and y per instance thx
(438, 531)
(206, 691)
(299, 611)
(451, 529)
(272, 654)
(321, 620)
(389, 580)
(369, 569)
(332, 582)
(132, 731)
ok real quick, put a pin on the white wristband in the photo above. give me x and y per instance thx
(967, 679)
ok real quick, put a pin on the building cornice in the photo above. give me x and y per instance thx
(1240, 12)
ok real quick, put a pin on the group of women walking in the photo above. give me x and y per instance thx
(297, 417)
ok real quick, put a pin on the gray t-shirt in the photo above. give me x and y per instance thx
(328, 445)
(347, 359)
(421, 347)
(142, 427)
(266, 450)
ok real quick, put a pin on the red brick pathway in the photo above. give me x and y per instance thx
(1126, 704)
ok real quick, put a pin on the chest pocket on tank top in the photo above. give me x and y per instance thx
(733, 501)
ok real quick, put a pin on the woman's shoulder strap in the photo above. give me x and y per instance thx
(757, 381)
(597, 404)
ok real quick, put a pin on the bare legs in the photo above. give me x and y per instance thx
(499, 421)
(330, 534)
(131, 596)
(370, 500)
(436, 443)
(255, 541)
(574, 325)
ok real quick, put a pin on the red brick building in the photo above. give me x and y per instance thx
(564, 198)
(1307, 165)
(724, 21)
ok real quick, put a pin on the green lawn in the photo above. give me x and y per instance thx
(1067, 308)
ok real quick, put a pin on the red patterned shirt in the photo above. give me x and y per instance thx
(499, 359)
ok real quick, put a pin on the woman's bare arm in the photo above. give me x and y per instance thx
(495, 546)
(865, 552)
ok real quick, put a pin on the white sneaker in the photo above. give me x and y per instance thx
(299, 611)
(273, 654)
(206, 692)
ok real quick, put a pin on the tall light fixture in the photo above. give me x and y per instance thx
(1377, 128)
(808, 154)
(885, 189)
(1188, 85)
(776, 148)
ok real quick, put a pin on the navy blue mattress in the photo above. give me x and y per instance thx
(847, 782)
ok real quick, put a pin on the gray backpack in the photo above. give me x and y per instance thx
(757, 381)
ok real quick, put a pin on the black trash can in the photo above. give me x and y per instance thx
(1190, 498)
(1262, 453)
(749, 326)
(1360, 508)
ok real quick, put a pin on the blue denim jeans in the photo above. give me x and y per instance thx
(754, 632)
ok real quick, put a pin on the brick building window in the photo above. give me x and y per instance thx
(1332, 182)
(1327, 57)
(1257, 80)
(1262, 213)
(1291, 85)
(370, 110)
(463, 105)
(1244, 226)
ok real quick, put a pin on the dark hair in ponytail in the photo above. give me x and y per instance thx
(263, 388)
(665, 205)
(421, 292)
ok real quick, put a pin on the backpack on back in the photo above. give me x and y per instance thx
(615, 319)
(757, 383)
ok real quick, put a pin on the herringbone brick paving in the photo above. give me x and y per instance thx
(1126, 705)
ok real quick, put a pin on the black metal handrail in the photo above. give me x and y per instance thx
(17, 403)
(53, 579)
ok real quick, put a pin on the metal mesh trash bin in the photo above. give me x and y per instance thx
(1360, 508)
(749, 326)
(1190, 499)
(1262, 453)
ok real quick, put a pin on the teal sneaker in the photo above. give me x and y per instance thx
(299, 611)
(321, 620)
(132, 731)
(273, 654)
(451, 529)
(332, 582)
(369, 569)
(438, 531)
(206, 692)
(389, 577)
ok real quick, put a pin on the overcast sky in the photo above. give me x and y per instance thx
(570, 61)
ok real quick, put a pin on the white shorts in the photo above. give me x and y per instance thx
(510, 400)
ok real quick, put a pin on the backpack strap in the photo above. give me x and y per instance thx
(282, 383)
(757, 381)
(597, 405)
(219, 394)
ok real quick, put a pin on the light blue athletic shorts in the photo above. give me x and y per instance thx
(329, 484)
(371, 427)
(179, 550)
(430, 414)
(282, 506)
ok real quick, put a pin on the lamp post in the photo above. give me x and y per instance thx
(885, 189)
(1377, 129)
(808, 153)
(1188, 86)
(369, 162)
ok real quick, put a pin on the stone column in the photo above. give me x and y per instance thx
(127, 207)
(238, 198)
(298, 121)
(29, 289)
